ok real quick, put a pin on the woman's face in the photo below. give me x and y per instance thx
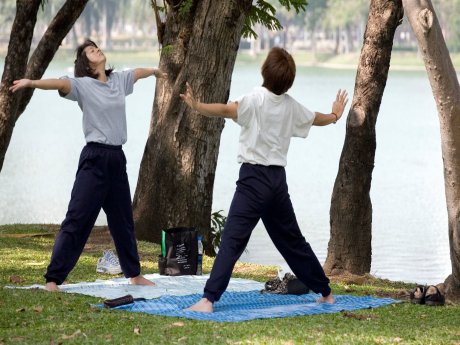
(95, 56)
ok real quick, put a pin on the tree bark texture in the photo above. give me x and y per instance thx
(176, 176)
(351, 208)
(17, 62)
(446, 92)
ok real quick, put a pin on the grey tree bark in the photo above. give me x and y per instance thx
(351, 208)
(446, 92)
(176, 176)
(17, 62)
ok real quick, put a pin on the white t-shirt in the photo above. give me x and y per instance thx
(268, 122)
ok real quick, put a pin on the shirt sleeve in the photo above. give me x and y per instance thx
(75, 89)
(303, 120)
(127, 81)
(245, 110)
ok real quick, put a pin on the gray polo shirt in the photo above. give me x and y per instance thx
(103, 106)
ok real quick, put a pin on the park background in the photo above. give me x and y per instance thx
(409, 218)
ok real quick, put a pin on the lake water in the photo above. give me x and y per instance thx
(410, 233)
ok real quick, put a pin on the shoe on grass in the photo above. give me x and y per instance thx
(434, 297)
(108, 263)
(417, 296)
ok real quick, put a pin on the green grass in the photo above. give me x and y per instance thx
(39, 317)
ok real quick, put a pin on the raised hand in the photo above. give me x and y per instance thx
(188, 97)
(20, 84)
(340, 102)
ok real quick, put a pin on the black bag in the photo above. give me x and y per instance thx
(179, 248)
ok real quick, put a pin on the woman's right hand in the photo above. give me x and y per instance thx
(20, 84)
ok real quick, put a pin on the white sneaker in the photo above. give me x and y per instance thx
(108, 263)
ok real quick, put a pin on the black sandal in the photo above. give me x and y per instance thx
(433, 296)
(417, 296)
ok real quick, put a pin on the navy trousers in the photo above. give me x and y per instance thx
(262, 193)
(101, 182)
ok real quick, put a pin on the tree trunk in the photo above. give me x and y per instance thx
(351, 209)
(446, 92)
(16, 66)
(177, 171)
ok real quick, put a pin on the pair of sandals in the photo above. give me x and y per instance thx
(429, 295)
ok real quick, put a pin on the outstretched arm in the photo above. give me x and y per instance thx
(62, 85)
(141, 73)
(338, 106)
(228, 110)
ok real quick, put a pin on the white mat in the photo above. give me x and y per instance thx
(165, 285)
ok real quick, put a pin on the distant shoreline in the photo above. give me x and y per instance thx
(400, 61)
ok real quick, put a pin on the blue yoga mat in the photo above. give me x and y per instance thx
(243, 306)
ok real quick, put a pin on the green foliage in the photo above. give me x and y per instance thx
(167, 49)
(264, 13)
(217, 227)
(298, 5)
(185, 7)
(341, 13)
(153, 5)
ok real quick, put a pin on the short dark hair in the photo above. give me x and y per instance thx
(278, 71)
(82, 67)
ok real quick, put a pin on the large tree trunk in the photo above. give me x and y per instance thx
(351, 209)
(446, 92)
(176, 176)
(16, 66)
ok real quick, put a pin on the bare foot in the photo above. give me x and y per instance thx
(140, 280)
(328, 299)
(203, 306)
(52, 286)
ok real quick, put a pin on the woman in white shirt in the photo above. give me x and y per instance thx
(269, 118)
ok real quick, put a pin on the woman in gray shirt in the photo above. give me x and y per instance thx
(101, 180)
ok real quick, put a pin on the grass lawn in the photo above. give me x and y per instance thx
(39, 317)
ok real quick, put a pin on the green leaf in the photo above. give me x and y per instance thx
(185, 7)
(263, 12)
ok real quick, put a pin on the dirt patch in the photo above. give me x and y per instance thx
(377, 286)
(99, 240)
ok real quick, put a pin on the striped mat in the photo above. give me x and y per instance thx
(243, 306)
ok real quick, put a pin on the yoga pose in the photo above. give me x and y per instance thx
(101, 180)
(268, 118)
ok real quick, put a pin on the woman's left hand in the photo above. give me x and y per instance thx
(339, 104)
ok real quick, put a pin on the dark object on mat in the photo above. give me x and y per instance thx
(290, 285)
(116, 302)
(179, 249)
(429, 295)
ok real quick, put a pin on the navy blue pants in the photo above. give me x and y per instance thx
(262, 193)
(101, 182)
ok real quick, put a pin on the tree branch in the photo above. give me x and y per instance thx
(49, 44)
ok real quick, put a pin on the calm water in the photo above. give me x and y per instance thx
(410, 240)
